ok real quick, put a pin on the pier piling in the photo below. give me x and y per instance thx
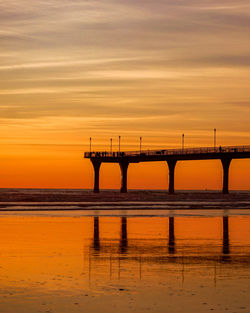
(225, 163)
(96, 164)
(171, 166)
(124, 170)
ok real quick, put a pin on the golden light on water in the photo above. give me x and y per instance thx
(54, 263)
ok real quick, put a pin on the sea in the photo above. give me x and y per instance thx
(126, 257)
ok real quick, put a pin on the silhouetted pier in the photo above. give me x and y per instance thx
(226, 154)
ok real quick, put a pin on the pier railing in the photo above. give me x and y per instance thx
(185, 151)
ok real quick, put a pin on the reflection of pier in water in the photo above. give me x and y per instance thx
(126, 255)
(225, 246)
(225, 236)
(96, 240)
(123, 236)
(126, 248)
(123, 242)
(171, 241)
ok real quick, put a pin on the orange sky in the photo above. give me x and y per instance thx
(71, 70)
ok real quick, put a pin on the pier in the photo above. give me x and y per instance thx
(225, 154)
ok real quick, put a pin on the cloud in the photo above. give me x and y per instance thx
(125, 64)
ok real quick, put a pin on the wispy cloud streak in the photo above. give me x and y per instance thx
(169, 63)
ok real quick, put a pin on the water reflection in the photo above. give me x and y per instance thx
(123, 236)
(171, 242)
(122, 247)
(129, 261)
(225, 250)
(96, 239)
(138, 248)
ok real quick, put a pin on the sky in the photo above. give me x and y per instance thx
(70, 70)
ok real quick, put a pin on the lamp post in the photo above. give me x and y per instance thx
(183, 136)
(140, 144)
(214, 138)
(119, 144)
(90, 144)
(110, 145)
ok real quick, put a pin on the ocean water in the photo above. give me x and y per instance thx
(124, 260)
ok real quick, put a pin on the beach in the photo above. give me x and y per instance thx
(175, 262)
(145, 251)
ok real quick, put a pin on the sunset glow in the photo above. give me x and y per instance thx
(103, 69)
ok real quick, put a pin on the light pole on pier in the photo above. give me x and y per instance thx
(214, 138)
(183, 141)
(140, 144)
(90, 144)
(119, 144)
(111, 145)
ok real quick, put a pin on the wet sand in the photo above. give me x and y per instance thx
(112, 264)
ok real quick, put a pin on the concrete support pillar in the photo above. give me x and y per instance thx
(124, 169)
(96, 165)
(171, 242)
(225, 163)
(171, 167)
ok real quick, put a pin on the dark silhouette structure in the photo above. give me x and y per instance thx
(96, 239)
(171, 156)
(123, 246)
(225, 248)
(171, 239)
(124, 236)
